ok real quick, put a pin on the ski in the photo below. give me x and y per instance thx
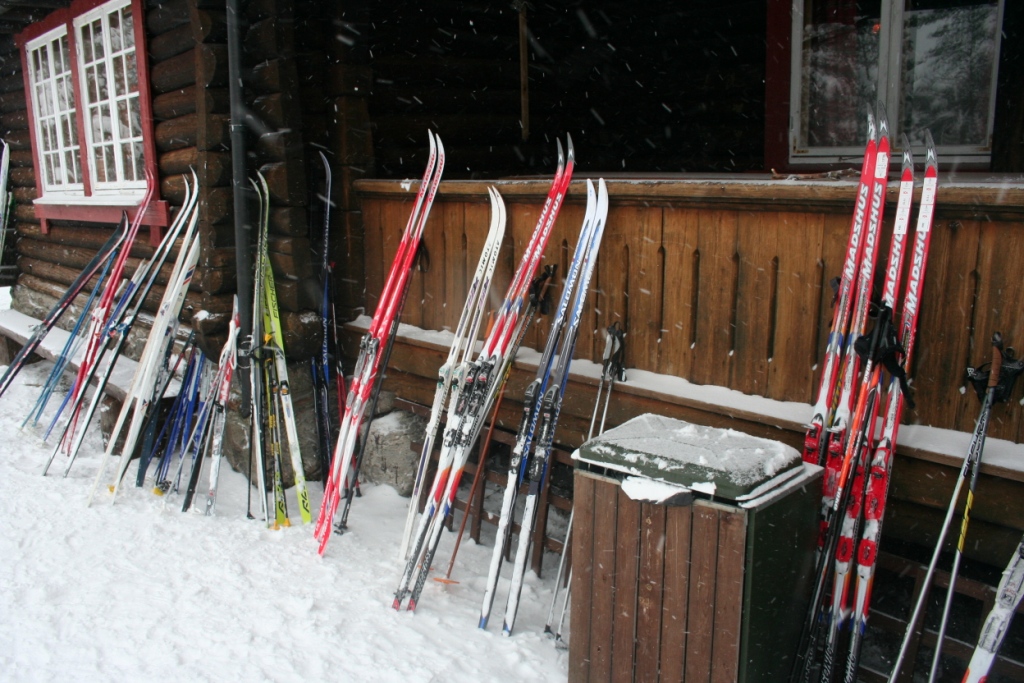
(368, 365)
(876, 479)
(465, 336)
(320, 367)
(993, 385)
(550, 407)
(815, 441)
(222, 389)
(997, 623)
(273, 338)
(481, 383)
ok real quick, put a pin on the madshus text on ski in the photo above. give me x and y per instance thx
(856, 448)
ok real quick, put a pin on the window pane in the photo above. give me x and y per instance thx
(86, 43)
(949, 54)
(115, 31)
(119, 83)
(840, 71)
(129, 28)
(97, 39)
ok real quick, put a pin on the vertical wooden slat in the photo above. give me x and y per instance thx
(613, 272)
(677, 581)
(717, 244)
(728, 603)
(835, 236)
(649, 585)
(679, 239)
(433, 265)
(627, 529)
(799, 249)
(998, 308)
(700, 622)
(602, 613)
(582, 578)
(373, 226)
(754, 303)
(644, 303)
(944, 344)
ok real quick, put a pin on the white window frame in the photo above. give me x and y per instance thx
(121, 185)
(890, 56)
(57, 154)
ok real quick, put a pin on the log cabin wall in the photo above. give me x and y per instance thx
(725, 283)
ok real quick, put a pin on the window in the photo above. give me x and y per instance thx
(933, 63)
(89, 105)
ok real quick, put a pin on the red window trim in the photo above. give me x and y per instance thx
(158, 214)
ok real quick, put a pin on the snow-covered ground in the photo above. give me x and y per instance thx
(138, 591)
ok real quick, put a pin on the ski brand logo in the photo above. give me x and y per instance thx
(924, 219)
(913, 287)
(882, 166)
(858, 219)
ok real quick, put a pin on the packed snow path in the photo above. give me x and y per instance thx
(138, 591)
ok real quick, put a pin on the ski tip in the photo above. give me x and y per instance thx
(411, 607)
(931, 159)
(286, 522)
(571, 154)
(872, 132)
(482, 623)
(396, 604)
(561, 156)
(908, 152)
(506, 630)
(883, 121)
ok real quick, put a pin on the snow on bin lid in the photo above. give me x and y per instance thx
(720, 462)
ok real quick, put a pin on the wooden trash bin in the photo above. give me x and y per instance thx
(708, 584)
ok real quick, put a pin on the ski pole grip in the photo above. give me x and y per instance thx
(997, 360)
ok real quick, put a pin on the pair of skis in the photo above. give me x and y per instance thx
(374, 346)
(271, 390)
(531, 454)
(857, 469)
(480, 386)
(452, 372)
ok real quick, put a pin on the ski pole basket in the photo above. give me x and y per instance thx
(692, 549)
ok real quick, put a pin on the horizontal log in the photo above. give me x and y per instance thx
(73, 259)
(279, 145)
(211, 24)
(23, 176)
(302, 334)
(215, 280)
(287, 182)
(184, 132)
(12, 83)
(176, 72)
(269, 38)
(298, 295)
(297, 265)
(289, 220)
(22, 157)
(91, 238)
(24, 195)
(166, 16)
(273, 75)
(170, 44)
(13, 101)
(289, 245)
(15, 120)
(19, 140)
(25, 213)
(276, 111)
(185, 101)
(213, 168)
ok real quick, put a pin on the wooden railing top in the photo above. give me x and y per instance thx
(963, 195)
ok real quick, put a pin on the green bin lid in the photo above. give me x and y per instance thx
(723, 463)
